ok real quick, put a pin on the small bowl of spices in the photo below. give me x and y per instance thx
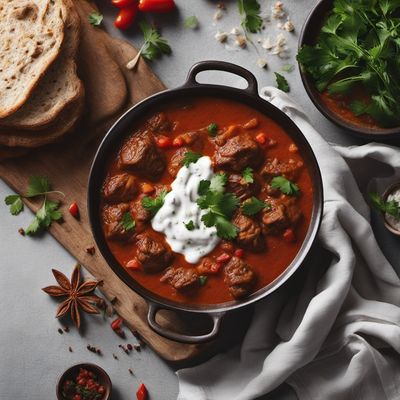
(84, 382)
(389, 205)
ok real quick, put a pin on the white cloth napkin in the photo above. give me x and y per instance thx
(339, 338)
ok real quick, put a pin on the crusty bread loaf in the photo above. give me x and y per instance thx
(31, 35)
(57, 88)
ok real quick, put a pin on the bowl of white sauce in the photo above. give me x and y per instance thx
(392, 223)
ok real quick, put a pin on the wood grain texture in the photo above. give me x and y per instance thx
(67, 165)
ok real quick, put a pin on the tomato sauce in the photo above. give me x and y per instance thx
(196, 114)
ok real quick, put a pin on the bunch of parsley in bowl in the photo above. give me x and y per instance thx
(350, 65)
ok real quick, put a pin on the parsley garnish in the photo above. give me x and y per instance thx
(154, 44)
(212, 129)
(190, 226)
(288, 68)
(285, 186)
(202, 280)
(153, 205)
(191, 22)
(220, 206)
(250, 11)
(38, 186)
(190, 157)
(282, 83)
(359, 46)
(95, 18)
(391, 207)
(128, 222)
(253, 206)
(247, 175)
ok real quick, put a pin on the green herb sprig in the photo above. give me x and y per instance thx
(391, 207)
(285, 186)
(250, 12)
(154, 204)
(154, 44)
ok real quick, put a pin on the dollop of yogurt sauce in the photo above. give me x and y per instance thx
(180, 208)
(395, 222)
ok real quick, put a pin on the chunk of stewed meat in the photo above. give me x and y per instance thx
(112, 218)
(249, 234)
(175, 163)
(240, 188)
(180, 278)
(159, 123)
(238, 153)
(119, 188)
(284, 213)
(139, 212)
(195, 139)
(274, 167)
(208, 266)
(140, 155)
(239, 277)
(152, 254)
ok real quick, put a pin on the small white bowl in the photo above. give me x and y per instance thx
(385, 195)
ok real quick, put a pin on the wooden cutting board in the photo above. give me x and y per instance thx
(110, 90)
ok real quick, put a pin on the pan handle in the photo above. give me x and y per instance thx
(180, 337)
(252, 87)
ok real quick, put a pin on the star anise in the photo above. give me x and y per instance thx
(77, 293)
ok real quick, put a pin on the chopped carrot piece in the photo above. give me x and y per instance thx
(164, 142)
(178, 141)
(253, 123)
(223, 258)
(133, 264)
(147, 188)
(261, 138)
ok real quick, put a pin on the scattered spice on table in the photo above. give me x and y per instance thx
(74, 210)
(90, 250)
(21, 231)
(60, 331)
(115, 356)
(130, 371)
(70, 349)
(116, 326)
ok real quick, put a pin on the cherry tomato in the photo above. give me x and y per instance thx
(156, 6)
(239, 253)
(126, 17)
(178, 142)
(74, 209)
(141, 393)
(123, 3)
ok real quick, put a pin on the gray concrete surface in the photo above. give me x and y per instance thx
(32, 353)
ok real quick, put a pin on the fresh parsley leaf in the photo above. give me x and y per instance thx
(128, 222)
(247, 175)
(15, 203)
(154, 204)
(37, 186)
(190, 157)
(202, 280)
(190, 226)
(282, 83)
(218, 182)
(225, 228)
(204, 186)
(250, 11)
(253, 206)
(212, 129)
(391, 207)
(44, 217)
(154, 44)
(191, 22)
(95, 18)
(285, 186)
(288, 68)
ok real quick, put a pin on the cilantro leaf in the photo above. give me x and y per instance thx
(37, 186)
(250, 11)
(154, 44)
(225, 228)
(190, 157)
(282, 83)
(154, 204)
(285, 186)
(191, 22)
(128, 222)
(202, 280)
(190, 226)
(391, 207)
(95, 18)
(212, 129)
(204, 186)
(247, 175)
(44, 217)
(209, 219)
(253, 206)
(15, 203)
(218, 182)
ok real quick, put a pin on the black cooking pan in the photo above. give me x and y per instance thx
(123, 127)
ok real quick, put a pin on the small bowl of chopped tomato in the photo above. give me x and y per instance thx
(84, 382)
(347, 71)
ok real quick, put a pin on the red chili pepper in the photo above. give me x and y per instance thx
(74, 210)
(239, 253)
(289, 236)
(116, 324)
(178, 142)
(126, 17)
(164, 142)
(123, 3)
(133, 264)
(223, 258)
(141, 393)
(156, 6)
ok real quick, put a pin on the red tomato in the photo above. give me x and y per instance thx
(141, 393)
(156, 6)
(239, 253)
(74, 209)
(126, 17)
(164, 142)
(289, 236)
(123, 3)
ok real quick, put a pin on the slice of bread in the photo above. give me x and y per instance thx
(58, 87)
(65, 123)
(31, 35)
